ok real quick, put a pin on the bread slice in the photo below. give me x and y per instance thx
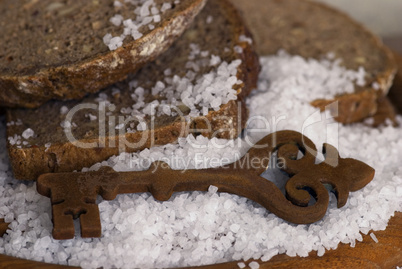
(385, 115)
(57, 49)
(390, 106)
(313, 30)
(215, 56)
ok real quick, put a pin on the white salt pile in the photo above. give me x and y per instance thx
(197, 91)
(145, 13)
(204, 228)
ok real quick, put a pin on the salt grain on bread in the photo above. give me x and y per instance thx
(314, 30)
(57, 50)
(201, 74)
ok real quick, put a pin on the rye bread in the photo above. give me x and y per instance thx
(218, 30)
(313, 30)
(385, 115)
(391, 105)
(55, 49)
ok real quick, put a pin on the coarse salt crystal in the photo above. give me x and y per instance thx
(115, 43)
(238, 49)
(215, 60)
(166, 6)
(376, 86)
(28, 133)
(157, 18)
(47, 146)
(117, 4)
(107, 38)
(66, 124)
(154, 11)
(142, 126)
(254, 265)
(210, 19)
(212, 189)
(374, 237)
(244, 38)
(63, 110)
(92, 117)
(116, 19)
(120, 126)
(241, 265)
(145, 8)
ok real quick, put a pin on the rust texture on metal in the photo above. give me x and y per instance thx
(73, 195)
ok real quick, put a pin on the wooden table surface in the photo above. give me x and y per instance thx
(387, 253)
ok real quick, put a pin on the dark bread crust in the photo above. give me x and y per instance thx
(390, 106)
(386, 113)
(30, 162)
(312, 30)
(74, 81)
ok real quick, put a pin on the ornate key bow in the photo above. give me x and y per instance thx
(73, 195)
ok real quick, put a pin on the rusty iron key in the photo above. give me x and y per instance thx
(73, 195)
